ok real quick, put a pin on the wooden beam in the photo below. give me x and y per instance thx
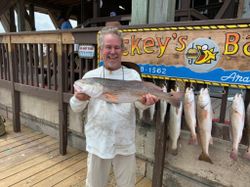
(139, 12)
(63, 131)
(20, 15)
(32, 17)
(15, 95)
(226, 10)
(166, 9)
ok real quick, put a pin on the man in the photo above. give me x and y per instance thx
(110, 128)
(64, 24)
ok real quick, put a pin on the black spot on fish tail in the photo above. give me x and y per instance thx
(205, 157)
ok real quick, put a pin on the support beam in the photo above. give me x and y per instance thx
(161, 11)
(244, 9)
(139, 13)
(20, 15)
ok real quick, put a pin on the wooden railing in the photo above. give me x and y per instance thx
(44, 64)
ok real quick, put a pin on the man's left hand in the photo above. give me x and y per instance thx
(148, 99)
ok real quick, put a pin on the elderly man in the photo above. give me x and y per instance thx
(110, 128)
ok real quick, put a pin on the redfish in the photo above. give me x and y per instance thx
(247, 153)
(204, 117)
(190, 114)
(237, 123)
(175, 127)
(124, 91)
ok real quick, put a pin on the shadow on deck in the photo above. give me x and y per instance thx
(32, 158)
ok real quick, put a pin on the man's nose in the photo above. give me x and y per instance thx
(113, 50)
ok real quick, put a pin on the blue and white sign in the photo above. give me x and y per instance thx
(86, 51)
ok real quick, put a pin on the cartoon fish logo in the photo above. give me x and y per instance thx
(206, 55)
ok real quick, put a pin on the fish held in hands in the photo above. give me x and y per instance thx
(204, 117)
(124, 91)
(237, 120)
(190, 114)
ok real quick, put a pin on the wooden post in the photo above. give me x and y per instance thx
(32, 16)
(15, 95)
(21, 15)
(62, 106)
(160, 149)
(139, 13)
(166, 9)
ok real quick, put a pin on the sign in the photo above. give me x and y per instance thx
(211, 54)
(86, 51)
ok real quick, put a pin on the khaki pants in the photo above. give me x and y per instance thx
(124, 168)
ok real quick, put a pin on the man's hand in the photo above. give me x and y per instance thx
(81, 96)
(148, 99)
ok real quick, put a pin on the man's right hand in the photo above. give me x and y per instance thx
(81, 96)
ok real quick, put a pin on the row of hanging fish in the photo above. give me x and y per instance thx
(198, 114)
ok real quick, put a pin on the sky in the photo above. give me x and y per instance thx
(42, 22)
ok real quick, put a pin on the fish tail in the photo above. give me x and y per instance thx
(174, 151)
(193, 140)
(234, 154)
(247, 154)
(205, 157)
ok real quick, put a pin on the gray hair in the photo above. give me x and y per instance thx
(109, 30)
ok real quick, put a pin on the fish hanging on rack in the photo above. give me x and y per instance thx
(163, 105)
(140, 114)
(175, 126)
(204, 117)
(247, 153)
(237, 120)
(151, 112)
(190, 114)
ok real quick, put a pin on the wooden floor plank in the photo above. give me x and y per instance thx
(23, 143)
(34, 170)
(77, 179)
(66, 172)
(18, 139)
(48, 168)
(26, 155)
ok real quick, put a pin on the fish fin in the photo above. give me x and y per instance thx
(247, 154)
(193, 140)
(205, 157)
(110, 97)
(234, 154)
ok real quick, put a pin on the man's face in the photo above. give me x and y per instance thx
(111, 52)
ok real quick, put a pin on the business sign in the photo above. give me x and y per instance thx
(86, 51)
(211, 54)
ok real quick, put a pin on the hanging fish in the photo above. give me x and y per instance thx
(163, 105)
(204, 117)
(151, 112)
(140, 113)
(247, 153)
(190, 114)
(237, 120)
(175, 126)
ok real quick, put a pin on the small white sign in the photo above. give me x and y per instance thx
(86, 51)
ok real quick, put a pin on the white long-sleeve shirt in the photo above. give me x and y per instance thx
(110, 128)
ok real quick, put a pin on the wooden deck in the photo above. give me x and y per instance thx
(32, 158)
